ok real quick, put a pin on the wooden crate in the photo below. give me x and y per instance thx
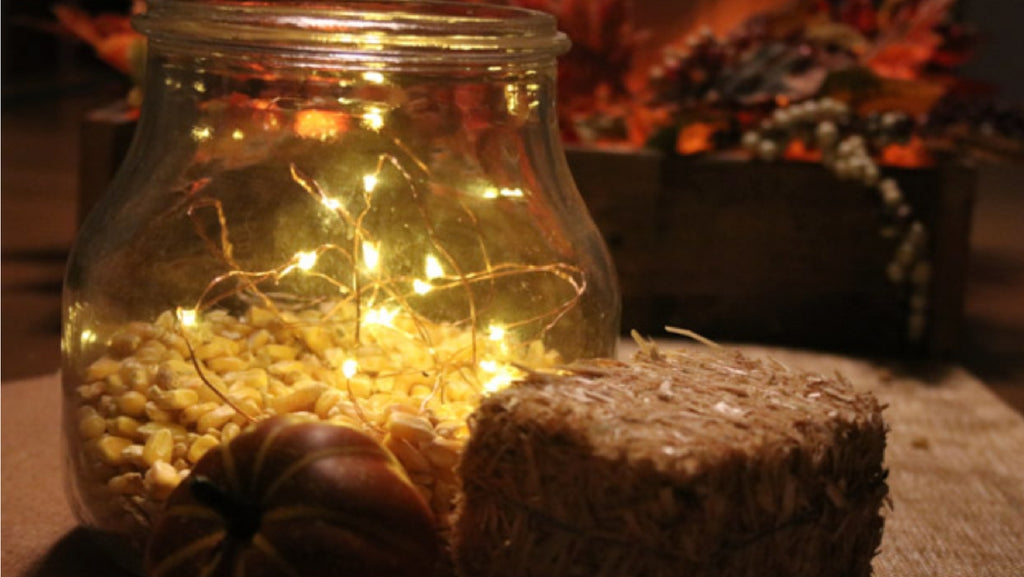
(781, 253)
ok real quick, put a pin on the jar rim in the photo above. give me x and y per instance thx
(384, 30)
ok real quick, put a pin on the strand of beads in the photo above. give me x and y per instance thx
(845, 144)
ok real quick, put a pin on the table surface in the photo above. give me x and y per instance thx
(955, 454)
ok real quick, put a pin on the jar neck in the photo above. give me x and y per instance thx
(444, 75)
(390, 35)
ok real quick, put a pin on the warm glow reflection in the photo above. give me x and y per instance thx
(201, 133)
(88, 336)
(237, 134)
(493, 192)
(373, 119)
(381, 316)
(504, 375)
(319, 124)
(332, 203)
(374, 77)
(496, 333)
(421, 287)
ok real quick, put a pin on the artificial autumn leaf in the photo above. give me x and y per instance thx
(835, 34)
(914, 97)
(798, 151)
(110, 35)
(911, 154)
(696, 138)
(909, 39)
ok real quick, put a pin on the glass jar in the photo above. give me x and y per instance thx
(338, 210)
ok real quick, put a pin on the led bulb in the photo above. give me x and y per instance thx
(371, 256)
(349, 368)
(434, 268)
(187, 317)
(306, 260)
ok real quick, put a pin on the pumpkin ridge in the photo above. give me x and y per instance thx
(183, 554)
(268, 549)
(305, 461)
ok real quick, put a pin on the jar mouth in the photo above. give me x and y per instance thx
(383, 30)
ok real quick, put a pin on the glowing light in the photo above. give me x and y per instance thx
(201, 133)
(238, 134)
(496, 333)
(421, 287)
(187, 317)
(332, 203)
(306, 260)
(319, 124)
(504, 375)
(494, 192)
(373, 119)
(512, 98)
(370, 182)
(88, 336)
(434, 268)
(381, 316)
(371, 256)
(374, 77)
(349, 368)
(199, 87)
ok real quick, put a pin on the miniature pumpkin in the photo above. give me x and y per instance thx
(295, 499)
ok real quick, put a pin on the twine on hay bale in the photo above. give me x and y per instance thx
(688, 462)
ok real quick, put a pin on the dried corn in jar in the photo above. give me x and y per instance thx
(352, 213)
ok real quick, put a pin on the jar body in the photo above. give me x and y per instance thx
(340, 238)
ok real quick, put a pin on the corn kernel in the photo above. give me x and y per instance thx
(126, 484)
(123, 426)
(411, 459)
(102, 368)
(133, 454)
(146, 430)
(229, 432)
(110, 448)
(200, 446)
(260, 317)
(327, 401)
(132, 403)
(303, 398)
(157, 414)
(159, 447)
(443, 453)
(226, 364)
(124, 343)
(178, 399)
(412, 428)
(215, 419)
(161, 479)
(92, 425)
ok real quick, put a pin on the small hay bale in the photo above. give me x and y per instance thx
(692, 463)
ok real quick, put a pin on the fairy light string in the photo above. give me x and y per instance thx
(373, 303)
